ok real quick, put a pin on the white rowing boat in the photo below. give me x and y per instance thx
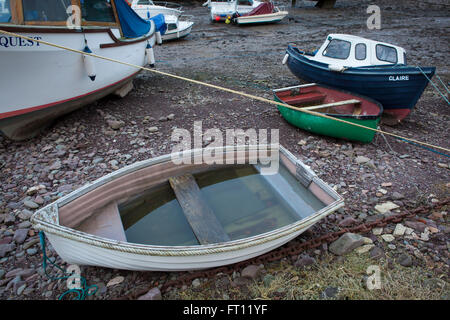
(91, 226)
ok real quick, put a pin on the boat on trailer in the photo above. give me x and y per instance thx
(162, 216)
(371, 68)
(266, 12)
(334, 103)
(40, 83)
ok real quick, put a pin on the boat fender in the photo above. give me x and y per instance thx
(150, 55)
(158, 37)
(89, 63)
(286, 56)
(336, 68)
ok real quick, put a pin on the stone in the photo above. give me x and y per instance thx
(348, 221)
(30, 204)
(388, 237)
(365, 248)
(31, 251)
(305, 260)
(30, 243)
(361, 159)
(153, 129)
(397, 196)
(6, 248)
(405, 260)
(346, 243)
(376, 253)
(152, 294)
(416, 225)
(251, 272)
(329, 292)
(399, 230)
(20, 235)
(21, 288)
(385, 207)
(171, 116)
(196, 283)
(115, 281)
(115, 125)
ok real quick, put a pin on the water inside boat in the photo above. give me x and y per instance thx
(239, 202)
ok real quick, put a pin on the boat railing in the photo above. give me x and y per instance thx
(170, 5)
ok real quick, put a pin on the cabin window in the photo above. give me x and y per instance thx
(338, 49)
(385, 53)
(5, 11)
(171, 26)
(38, 10)
(404, 58)
(245, 2)
(97, 10)
(144, 2)
(360, 51)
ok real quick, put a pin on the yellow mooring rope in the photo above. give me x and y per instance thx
(223, 89)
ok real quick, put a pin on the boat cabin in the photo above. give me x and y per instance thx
(94, 13)
(220, 9)
(343, 50)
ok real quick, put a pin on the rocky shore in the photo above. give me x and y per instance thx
(384, 177)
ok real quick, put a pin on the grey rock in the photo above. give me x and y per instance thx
(30, 204)
(31, 251)
(405, 260)
(2, 273)
(361, 159)
(115, 125)
(170, 116)
(152, 294)
(329, 292)
(346, 243)
(25, 214)
(305, 260)
(377, 253)
(20, 235)
(251, 272)
(196, 283)
(397, 196)
(5, 248)
(416, 225)
(348, 221)
(21, 288)
(9, 219)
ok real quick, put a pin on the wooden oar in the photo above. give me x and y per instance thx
(333, 104)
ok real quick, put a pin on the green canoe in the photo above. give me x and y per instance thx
(331, 102)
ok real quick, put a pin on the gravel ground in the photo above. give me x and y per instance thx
(113, 132)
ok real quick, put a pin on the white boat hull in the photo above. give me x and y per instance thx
(262, 18)
(78, 247)
(40, 82)
(183, 30)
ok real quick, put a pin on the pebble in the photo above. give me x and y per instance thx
(377, 231)
(196, 283)
(251, 272)
(153, 129)
(31, 251)
(388, 237)
(364, 248)
(30, 204)
(152, 294)
(361, 159)
(385, 207)
(377, 253)
(304, 260)
(405, 260)
(346, 243)
(399, 230)
(348, 221)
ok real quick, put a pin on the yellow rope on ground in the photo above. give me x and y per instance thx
(222, 89)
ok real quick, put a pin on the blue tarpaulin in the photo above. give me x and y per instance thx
(160, 23)
(132, 25)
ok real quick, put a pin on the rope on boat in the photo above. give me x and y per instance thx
(82, 292)
(435, 87)
(223, 89)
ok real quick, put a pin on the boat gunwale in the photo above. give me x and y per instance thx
(46, 219)
(336, 115)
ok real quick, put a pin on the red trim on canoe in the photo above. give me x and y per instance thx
(32, 109)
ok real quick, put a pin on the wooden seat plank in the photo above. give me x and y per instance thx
(200, 216)
(333, 104)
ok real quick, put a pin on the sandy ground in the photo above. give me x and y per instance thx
(82, 147)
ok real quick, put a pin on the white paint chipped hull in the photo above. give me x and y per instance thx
(81, 248)
(262, 18)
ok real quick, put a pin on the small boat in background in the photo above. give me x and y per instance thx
(176, 27)
(223, 10)
(266, 12)
(39, 83)
(371, 68)
(147, 8)
(334, 103)
(160, 216)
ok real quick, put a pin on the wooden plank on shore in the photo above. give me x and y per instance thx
(333, 104)
(200, 216)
